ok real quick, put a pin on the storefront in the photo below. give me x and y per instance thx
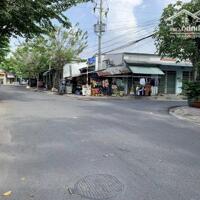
(129, 74)
(10, 78)
(115, 80)
(145, 79)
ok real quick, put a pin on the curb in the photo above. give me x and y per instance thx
(172, 111)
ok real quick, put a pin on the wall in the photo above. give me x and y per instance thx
(73, 69)
(179, 81)
(115, 59)
(3, 78)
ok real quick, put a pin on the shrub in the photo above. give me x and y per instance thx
(192, 90)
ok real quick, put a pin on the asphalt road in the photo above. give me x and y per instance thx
(48, 143)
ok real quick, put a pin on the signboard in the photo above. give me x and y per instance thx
(185, 24)
(91, 61)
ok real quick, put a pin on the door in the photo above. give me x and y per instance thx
(171, 82)
(161, 86)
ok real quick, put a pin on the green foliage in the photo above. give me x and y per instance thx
(28, 18)
(65, 45)
(174, 46)
(192, 90)
(53, 50)
(4, 48)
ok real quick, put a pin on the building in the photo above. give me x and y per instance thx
(168, 73)
(2, 77)
(6, 78)
(74, 76)
(129, 74)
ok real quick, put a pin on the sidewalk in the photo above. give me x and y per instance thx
(157, 98)
(187, 113)
(80, 97)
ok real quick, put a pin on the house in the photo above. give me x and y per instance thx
(168, 74)
(6, 78)
(2, 77)
(75, 75)
(125, 73)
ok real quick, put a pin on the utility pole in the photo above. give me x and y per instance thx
(100, 33)
(100, 27)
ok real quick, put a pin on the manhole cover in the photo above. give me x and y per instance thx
(98, 187)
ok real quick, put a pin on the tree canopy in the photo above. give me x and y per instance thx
(184, 48)
(53, 51)
(27, 18)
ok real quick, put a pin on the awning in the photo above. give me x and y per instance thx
(113, 71)
(146, 70)
(10, 75)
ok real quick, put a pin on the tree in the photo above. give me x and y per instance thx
(29, 60)
(64, 46)
(179, 47)
(53, 51)
(27, 18)
(30, 17)
(4, 48)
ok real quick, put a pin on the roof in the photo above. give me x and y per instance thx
(152, 59)
(73, 69)
(10, 75)
(113, 71)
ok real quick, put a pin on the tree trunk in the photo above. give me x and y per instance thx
(54, 79)
(196, 70)
(37, 78)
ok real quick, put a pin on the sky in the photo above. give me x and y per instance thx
(127, 20)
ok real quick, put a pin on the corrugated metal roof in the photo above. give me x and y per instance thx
(141, 59)
(114, 71)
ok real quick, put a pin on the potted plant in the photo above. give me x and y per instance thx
(192, 91)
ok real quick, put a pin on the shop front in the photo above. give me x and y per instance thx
(171, 73)
(114, 81)
(145, 80)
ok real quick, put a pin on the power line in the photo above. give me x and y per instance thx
(109, 46)
(114, 44)
(120, 36)
(128, 30)
(129, 44)
(122, 26)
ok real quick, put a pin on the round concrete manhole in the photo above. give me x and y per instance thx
(98, 187)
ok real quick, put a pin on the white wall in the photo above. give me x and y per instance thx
(179, 81)
(73, 69)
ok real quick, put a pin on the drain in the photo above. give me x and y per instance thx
(98, 187)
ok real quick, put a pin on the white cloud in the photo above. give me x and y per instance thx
(121, 12)
(121, 20)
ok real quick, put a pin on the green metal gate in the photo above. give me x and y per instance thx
(167, 83)
(161, 87)
(171, 82)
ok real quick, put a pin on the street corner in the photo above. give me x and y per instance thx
(186, 113)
